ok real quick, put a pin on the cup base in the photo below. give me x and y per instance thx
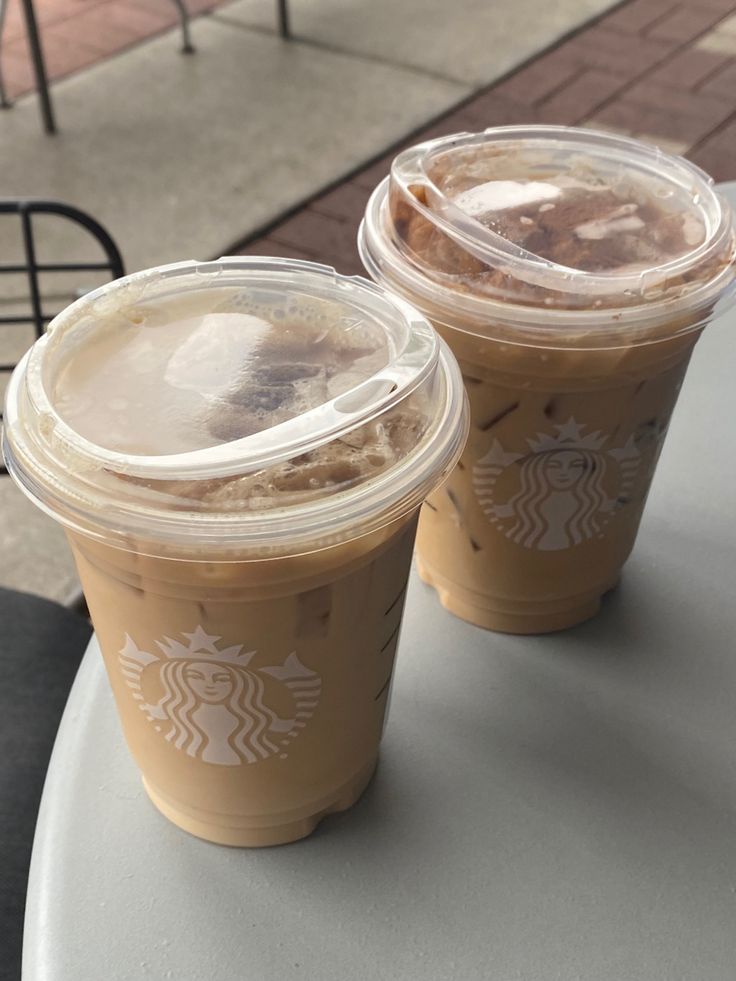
(260, 832)
(537, 618)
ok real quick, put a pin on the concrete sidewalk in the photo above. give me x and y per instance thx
(180, 157)
(658, 69)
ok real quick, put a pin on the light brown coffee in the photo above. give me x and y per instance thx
(238, 452)
(564, 273)
(535, 523)
(562, 447)
(252, 694)
(278, 666)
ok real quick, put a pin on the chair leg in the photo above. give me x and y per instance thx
(282, 16)
(39, 67)
(5, 103)
(187, 46)
(78, 604)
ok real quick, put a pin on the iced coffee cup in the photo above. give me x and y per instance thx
(238, 451)
(571, 272)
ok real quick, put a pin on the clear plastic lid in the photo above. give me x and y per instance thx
(239, 403)
(528, 224)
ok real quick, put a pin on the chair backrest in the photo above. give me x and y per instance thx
(38, 316)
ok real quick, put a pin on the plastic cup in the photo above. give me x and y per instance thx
(571, 272)
(238, 451)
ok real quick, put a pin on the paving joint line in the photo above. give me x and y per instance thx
(621, 93)
(563, 85)
(713, 132)
(709, 78)
(644, 33)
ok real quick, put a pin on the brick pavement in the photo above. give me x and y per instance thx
(656, 69)
(78, 33)
(661, 70)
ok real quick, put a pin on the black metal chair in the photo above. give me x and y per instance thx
(41, 642)
(39, 64)
(39, 316)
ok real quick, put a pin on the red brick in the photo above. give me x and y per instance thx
(446, 126)
(637, 15)
(346, 263)
(51, 11)
(652, 122)
(492, 109)
(717, 155)
(14, 26)
(374, 174)
(688, 68)
(612, 51)
(726, 6)
(61, 55)
(345, 260)
(266, 246)
(320, 238)
(202, 6)
(165, 7)
(316, 234)
(667, 99)
(539, 79)
(722, 84)
(685, 24)
(46, 11)
(196, 7)
(580, 98)
(346, 202)
(17, 73)
(115, 25)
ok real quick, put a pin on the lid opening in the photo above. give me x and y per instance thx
(547, 219)
(242, 400)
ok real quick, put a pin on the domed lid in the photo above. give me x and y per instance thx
(552, 218)
(273, 399)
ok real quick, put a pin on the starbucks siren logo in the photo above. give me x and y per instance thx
(211, 704)
(560, 494)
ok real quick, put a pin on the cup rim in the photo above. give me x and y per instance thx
(61, 483)
(539, 325)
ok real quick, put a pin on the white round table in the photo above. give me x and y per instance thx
(559, 807)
